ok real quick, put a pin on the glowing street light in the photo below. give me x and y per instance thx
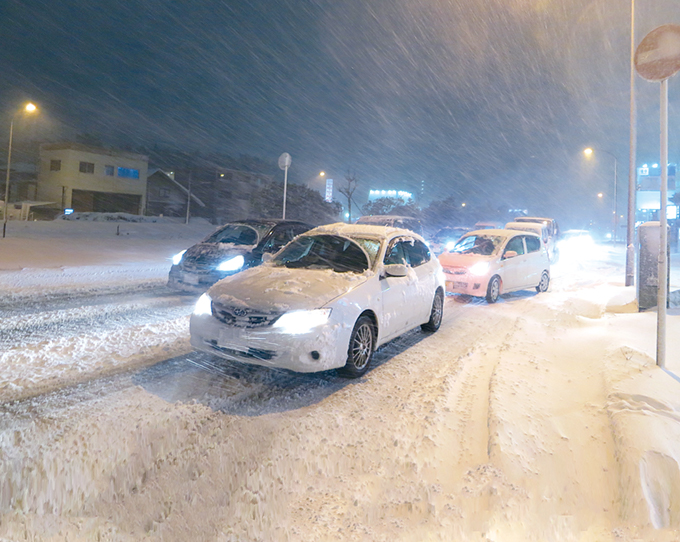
(322, 174)
(28, 108)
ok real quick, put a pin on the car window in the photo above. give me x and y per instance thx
(533, 244)
(371, 246)
(237, 234)
(279, 237)
(395, 254)
(478, 244)
(515, 244)
(417, 253)
(323, 252)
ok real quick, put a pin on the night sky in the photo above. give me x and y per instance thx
(491, 99)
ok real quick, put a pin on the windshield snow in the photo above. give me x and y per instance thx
(478, 244)
(239, 234)
(324, 252)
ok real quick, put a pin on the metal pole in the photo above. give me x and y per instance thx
(9, 160)
(186, 220)
(663, 244)
(632, 163)
(285, 187)
(616, 207)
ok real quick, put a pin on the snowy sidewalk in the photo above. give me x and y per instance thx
(39, 258)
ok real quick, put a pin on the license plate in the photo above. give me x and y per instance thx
(228, 336)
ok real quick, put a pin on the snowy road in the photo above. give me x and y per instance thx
(539, 418)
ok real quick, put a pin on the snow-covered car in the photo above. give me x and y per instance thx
(446, 238)
(327, 300)
(552, 228)
(488, 263)
(232, 248)
(541, 230)
(395, 221)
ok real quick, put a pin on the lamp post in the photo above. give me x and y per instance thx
(589, 152)
(28, 108)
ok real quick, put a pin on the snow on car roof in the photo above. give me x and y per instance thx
(351, 230)
(497, 232)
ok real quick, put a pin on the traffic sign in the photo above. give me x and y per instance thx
(658, 55)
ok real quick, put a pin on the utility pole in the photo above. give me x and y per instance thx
(347, 191)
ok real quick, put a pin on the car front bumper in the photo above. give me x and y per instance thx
(321, 349)
(467, 284)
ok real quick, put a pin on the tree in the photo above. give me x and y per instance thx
(348, 190)
(302, 203)
(442, 213)
(380, 206)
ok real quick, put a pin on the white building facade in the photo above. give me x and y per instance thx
(89, 179)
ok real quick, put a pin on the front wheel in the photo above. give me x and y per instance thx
(436, 313)
(494, 290)
(545, 282)
(361, 346)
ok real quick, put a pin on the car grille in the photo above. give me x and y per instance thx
(251, 353)
(242, 317)
(455, 270)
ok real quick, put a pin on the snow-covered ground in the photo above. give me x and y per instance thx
(543, 417)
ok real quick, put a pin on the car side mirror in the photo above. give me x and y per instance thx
(396, 270)
(267, 257)
(509, 254)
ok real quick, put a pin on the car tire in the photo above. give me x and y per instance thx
(493, 291)
(436, 313)
(545, 282)
(361, 347)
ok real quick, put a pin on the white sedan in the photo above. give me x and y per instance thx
(327, 300)
(488, 263)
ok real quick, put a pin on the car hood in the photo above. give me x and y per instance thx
(216, 251)
(278, 289)
(454, 259)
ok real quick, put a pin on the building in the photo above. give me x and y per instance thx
(649, 190)
(90, 179)
(167, 197)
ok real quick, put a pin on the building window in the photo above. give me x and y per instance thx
(55, 165)
(108, 171)
(127, 172)
(164, 193)
(86, 167)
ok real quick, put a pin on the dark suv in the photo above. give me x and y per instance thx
(232, 248)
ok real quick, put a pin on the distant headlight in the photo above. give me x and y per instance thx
(450, 245)
(480, 268)
(178, 257)
(297, 322)
(203, 305)
(232, 264)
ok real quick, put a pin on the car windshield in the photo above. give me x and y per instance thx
(239, 234)
(323, 252)
(478, 244)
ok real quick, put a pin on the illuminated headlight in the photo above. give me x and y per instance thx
(178, 257)
(479, 269)
(450, 245)
(297, 322)
(232, 264)
(203, 305)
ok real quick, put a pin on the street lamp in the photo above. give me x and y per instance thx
(28, 108)
(589, 152)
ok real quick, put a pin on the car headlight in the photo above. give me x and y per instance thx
(232, 264)
(297, 322)
(479, 269)
(203, 305)
(178, 257)
(450, 245)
